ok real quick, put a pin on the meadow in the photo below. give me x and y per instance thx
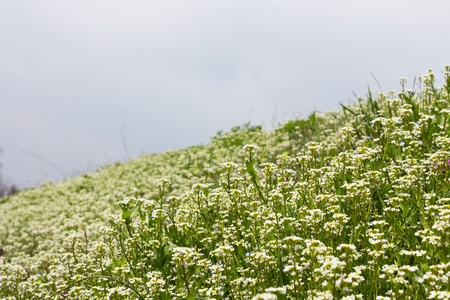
(349, 204)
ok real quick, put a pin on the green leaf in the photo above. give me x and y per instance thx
(246, 224)
(191, 297)
(134, 211)
(348, 109)
(119, 263)
(126, 214)
(250, 169)
(397, 155)
(287, 228)
(423, 221)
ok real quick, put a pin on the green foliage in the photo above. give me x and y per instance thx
(352, 204)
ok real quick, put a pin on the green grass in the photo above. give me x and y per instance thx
(351, 204)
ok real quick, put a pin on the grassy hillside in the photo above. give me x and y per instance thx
(352, 204)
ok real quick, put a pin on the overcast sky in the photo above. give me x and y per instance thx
(84, 83)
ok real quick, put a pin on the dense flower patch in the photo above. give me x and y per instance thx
(353, 204)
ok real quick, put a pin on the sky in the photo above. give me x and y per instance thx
(87, 83)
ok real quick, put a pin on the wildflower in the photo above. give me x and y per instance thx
(265, 296)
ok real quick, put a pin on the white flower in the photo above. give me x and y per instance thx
(265, 296)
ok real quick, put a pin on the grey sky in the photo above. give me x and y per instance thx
(79, 79)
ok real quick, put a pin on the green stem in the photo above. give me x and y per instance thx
(185, 279)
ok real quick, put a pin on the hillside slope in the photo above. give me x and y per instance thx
(352, 204)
